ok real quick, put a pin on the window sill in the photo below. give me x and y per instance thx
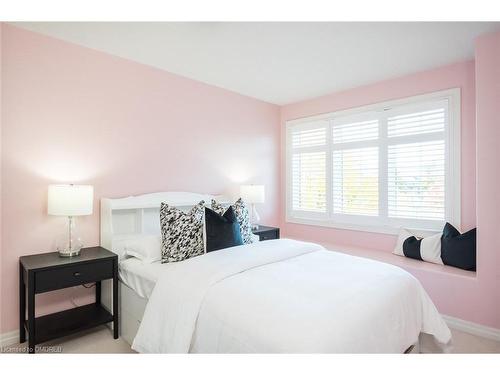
(383, 229)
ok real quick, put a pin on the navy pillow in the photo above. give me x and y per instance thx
(411, 248)
(222, 230)
(458, 250)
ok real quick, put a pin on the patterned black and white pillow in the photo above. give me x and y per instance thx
(241, 211)
(181, 232)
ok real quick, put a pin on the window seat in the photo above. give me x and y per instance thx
(403, 262)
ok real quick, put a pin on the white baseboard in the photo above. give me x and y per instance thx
(9, 338)
(472, 328)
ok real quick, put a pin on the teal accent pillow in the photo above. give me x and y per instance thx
(222, 231)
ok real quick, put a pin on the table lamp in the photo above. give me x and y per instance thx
(70, 201)
(253, 194)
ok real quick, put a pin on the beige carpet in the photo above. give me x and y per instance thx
(100, 340)
(96, 340)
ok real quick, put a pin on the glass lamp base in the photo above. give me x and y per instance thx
(66, 253)
(255, 218)
(69, 243)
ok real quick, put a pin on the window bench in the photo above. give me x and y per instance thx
(411, 265)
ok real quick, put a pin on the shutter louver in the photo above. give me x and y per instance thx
(309, 167)
(355, 131)
(309, 138)
(416, 180)
(416, 123)
(309, 181)
(355, 181)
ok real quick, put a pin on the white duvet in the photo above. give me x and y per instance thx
(285, 296)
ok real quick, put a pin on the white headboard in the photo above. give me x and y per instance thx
(141, 214)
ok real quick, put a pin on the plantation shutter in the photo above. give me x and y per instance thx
(416, 163)
(355, 165)
(387, 166)
(308, 167)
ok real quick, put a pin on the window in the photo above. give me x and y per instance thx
(309, 168)
(379, 167)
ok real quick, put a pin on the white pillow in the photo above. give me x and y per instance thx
(144, 247)
(430, 247)
(119, 243)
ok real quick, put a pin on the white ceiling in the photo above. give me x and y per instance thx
(279, 63)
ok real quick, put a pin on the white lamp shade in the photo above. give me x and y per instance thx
(70, 200)
(253, 193)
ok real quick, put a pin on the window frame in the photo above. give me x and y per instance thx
(379, 224)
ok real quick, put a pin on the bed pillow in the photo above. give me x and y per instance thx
(427, 249)
(181, 232)
(222, 231)
(459, 250)
(120, 242)
(242, 215)
(146, 248)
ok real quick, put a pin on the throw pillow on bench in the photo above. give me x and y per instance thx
(450, 247)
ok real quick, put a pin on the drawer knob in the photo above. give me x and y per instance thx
(76, 274)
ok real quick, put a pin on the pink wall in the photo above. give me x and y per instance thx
(71, 114)
(472, 297)
(1, 111)
(458, 75)
(488, 171)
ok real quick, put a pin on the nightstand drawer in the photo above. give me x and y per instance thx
(270, 235)
(78, 274)
(266, 233)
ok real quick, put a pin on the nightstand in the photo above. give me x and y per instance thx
(267, 233)
(47, 272)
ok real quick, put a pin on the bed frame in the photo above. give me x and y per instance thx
(141, 215)
(137, 215)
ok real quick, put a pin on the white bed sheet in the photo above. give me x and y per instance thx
(139, 276)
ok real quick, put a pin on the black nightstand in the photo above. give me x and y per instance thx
(267, 233)
(46, 272)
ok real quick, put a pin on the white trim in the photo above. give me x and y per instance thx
(443, 94)
(454, 171)
(329, 170)
(9, 338)
(372, 228)
(472, 328)
(383, 224)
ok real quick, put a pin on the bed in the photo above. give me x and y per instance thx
(279, 296)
